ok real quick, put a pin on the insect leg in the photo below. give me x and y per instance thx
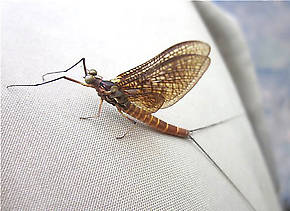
(82, 60)
(95, 116)
(46, 82)
(130, 129)
(100, 107)
(89, 117)
(132, 120)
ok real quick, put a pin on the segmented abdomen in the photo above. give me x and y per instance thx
(154, 122)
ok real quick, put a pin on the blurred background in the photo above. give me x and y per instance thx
(266, 29)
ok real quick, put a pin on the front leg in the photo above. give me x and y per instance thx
(99, 112)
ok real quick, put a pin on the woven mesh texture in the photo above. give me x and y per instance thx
(54, 160)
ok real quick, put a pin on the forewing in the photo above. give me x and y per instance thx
(187, 71)
(184, 48)
(171, 79)
(166, 78)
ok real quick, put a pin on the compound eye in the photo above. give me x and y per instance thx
(90, 79)
(93, 72)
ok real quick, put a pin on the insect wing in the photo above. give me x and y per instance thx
(150, 102)
(185, 73)
(183, 48)
(171, 74)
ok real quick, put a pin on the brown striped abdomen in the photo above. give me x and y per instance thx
(154, 122)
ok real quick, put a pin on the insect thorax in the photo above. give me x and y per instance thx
(113, 95)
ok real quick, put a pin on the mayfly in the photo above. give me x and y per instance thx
(156, 84)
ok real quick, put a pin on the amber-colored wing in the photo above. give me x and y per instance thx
(183, 48)
(170, 75)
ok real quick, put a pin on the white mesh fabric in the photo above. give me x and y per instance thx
(53, 160)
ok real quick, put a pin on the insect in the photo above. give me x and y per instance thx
(156, 84)
(153, 85)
